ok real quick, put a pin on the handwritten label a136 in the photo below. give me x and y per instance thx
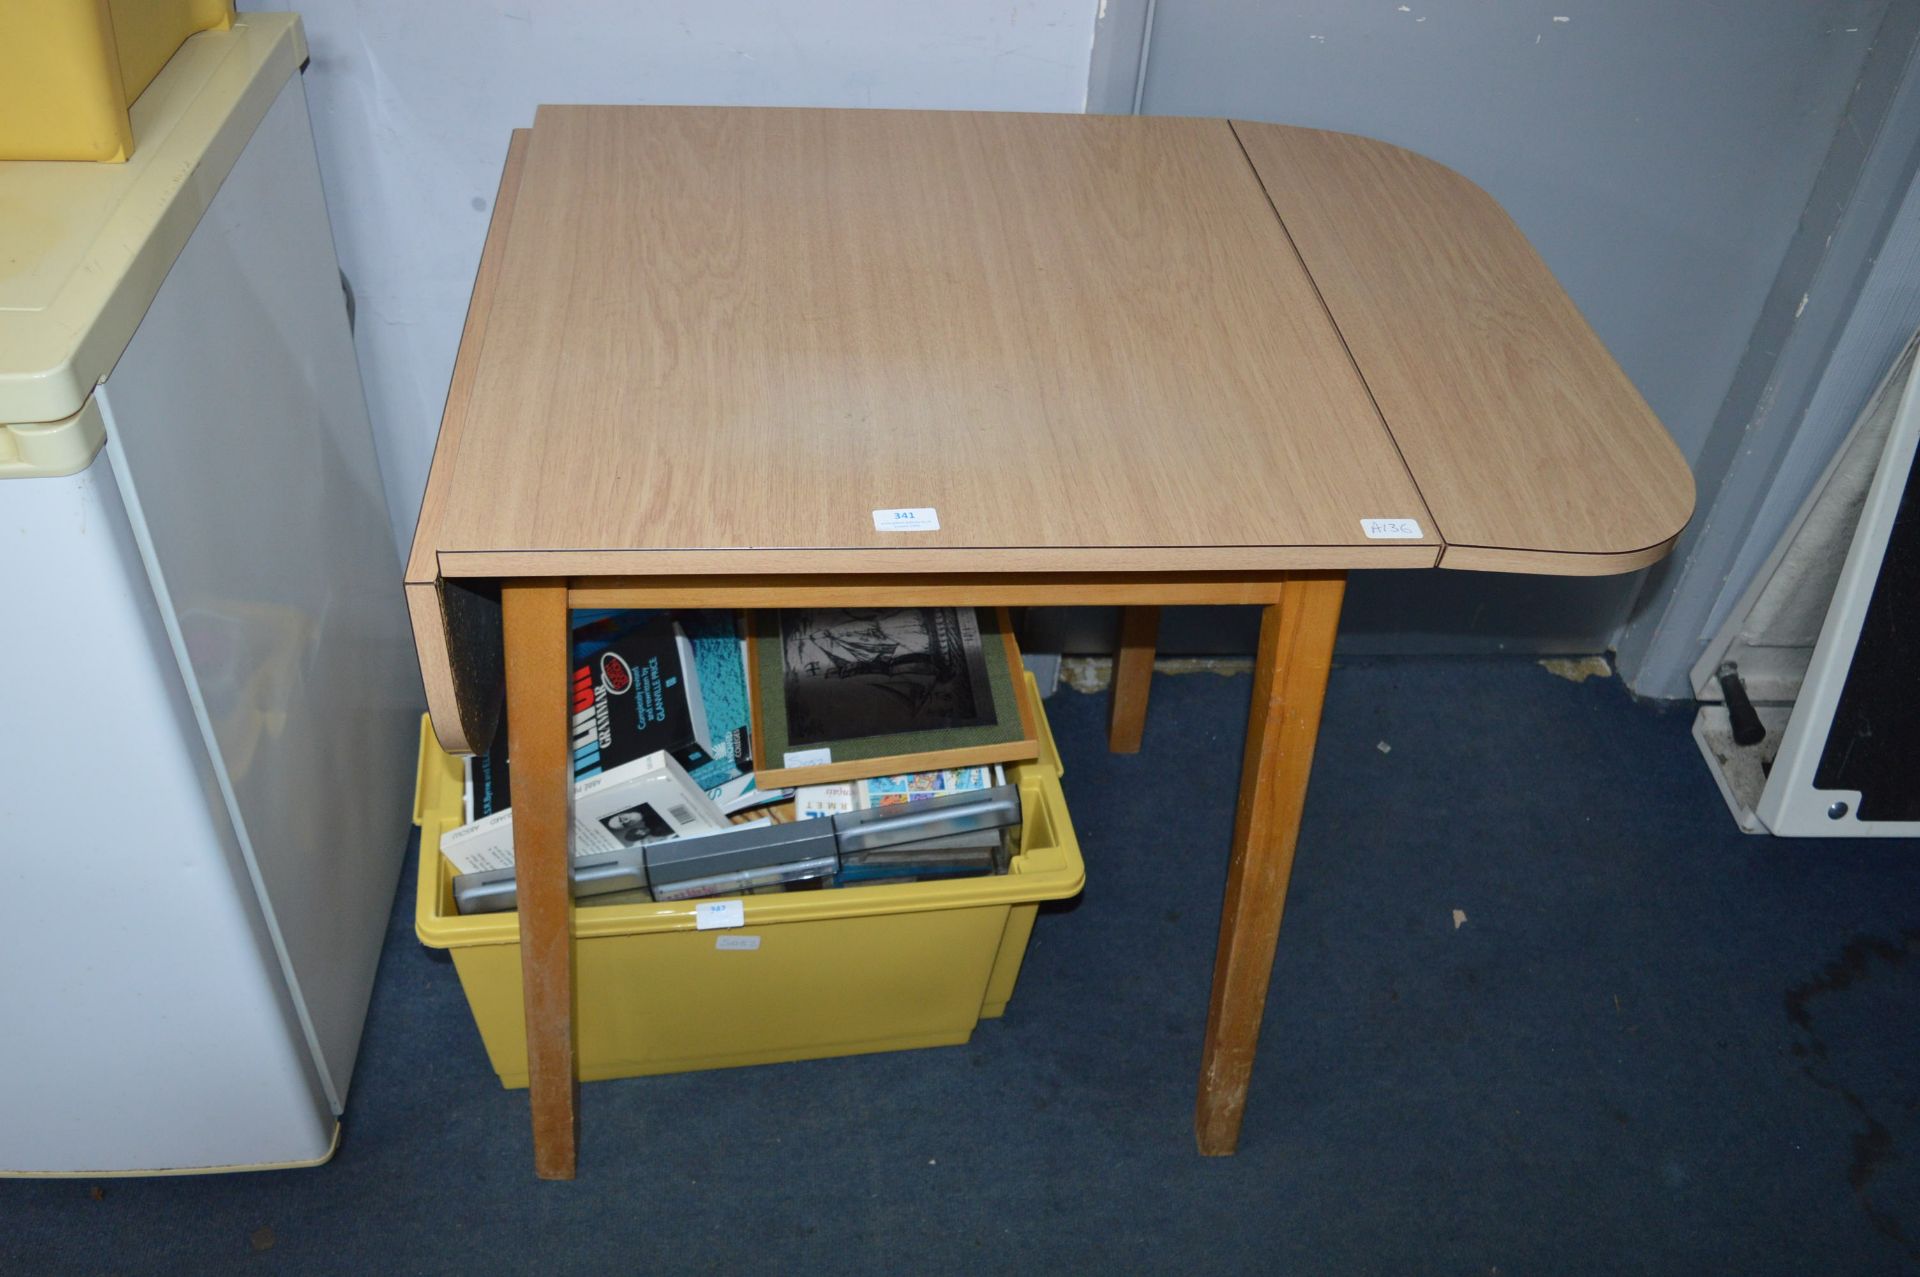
(1391, 529)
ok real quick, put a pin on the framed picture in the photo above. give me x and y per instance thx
(850, 693)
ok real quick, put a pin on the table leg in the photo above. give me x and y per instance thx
(1289, 684)
(534, 620)
(1132, 678)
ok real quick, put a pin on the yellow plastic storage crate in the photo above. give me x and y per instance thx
(837, 972)
(69, 69)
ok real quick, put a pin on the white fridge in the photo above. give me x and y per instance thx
(207, 692)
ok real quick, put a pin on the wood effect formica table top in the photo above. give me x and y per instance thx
(716, 340)
(1087, 341)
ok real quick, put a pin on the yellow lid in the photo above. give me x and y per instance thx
(84, 247)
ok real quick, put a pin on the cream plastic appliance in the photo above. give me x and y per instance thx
(208, 692)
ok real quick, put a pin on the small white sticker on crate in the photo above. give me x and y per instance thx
(710, 915)
(740, 944)
(910, 519)
(807, 757)
(1392, 529)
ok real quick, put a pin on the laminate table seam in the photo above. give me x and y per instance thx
(1334, 323)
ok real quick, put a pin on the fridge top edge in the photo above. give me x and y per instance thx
(89, 244)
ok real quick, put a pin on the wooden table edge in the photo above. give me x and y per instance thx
(457, 626)
(1563, 563)
(954, 561)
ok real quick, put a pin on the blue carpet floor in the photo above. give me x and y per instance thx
(1653, 1045)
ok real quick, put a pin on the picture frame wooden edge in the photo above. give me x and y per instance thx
(1023, 750)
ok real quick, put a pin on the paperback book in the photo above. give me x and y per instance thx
(645, 680)
(651, 797)
(636, 690)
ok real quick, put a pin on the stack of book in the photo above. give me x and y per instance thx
(662, 739)
(780, 751)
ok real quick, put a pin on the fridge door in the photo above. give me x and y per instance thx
(240, 438)
(148, 1025)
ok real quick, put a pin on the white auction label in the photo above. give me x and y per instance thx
(711, 914)
(807, 757)
(1391, 529)
(740, 943)
(917, 519)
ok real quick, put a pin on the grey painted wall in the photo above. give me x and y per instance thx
(1845, 301)
(1881, 320)
(1659, 155)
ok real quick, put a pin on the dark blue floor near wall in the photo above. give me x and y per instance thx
(1653, 1045)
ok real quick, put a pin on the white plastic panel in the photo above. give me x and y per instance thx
(1792, 804)
(236, 424)
(147, 1024)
